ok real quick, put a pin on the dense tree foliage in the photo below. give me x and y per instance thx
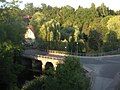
(95, 40)
(11, 37)
(55, 25)
(67, 76)
(9, 70)
(114, 24)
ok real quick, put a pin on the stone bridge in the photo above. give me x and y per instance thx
(43, 58)
(46, 59)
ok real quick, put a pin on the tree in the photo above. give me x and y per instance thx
(86, 28)
(114, 25)
(12, 34)
(29, 9)
(104, 29)
(66, 33)
(37, 22)
(37, 19)
(68, 76)
(36, 84)
(93, 10)
(112, 36)
(66, 15)
(111, 42)
(54, 27)
(12, 24)
(8, 69)
(103, 10)
(49, 32)
(95, 40)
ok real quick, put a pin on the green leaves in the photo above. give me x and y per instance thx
(12, 25)
(36, 84)
(111, 41)
(68, 76)
(71, 76)
(103, 10)
(95, 39)
(114, 24)
(8, 69)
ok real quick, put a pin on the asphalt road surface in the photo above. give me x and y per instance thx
(104, 73)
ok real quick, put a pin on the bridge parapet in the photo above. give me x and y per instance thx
(63, 53)
(44, 59)
(49, 57)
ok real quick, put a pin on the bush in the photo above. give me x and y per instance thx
(8, 69)
(67, 76)
(36, 84)
(70, 76)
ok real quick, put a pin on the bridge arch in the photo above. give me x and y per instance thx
(48, 65)
(53, 63)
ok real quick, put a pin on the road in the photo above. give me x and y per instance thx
(104, 72)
